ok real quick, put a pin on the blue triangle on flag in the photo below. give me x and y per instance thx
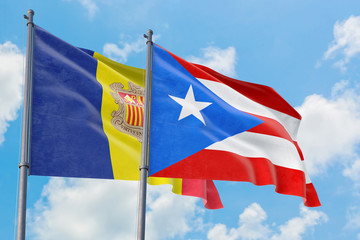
(173, 138)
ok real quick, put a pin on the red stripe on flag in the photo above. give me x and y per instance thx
(311, 199)
(259, 171)
(299, 150)
(137, 116)
(270, 127)
(274, 128)
(141, 116)
(261, 94)
(128, 114)
(204, 189)
(132, 114)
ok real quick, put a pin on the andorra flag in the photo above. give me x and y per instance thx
(86, 118)
(208, 126)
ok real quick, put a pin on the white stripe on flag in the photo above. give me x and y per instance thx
(279, 151)
(245, 104)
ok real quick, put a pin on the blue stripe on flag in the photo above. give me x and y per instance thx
(67, 134)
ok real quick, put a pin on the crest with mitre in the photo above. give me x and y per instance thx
(129, 117)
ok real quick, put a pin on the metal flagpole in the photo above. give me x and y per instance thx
(145, 143)
(24, 164)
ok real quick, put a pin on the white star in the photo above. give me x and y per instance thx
(190, 106)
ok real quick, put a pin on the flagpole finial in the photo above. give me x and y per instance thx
(30, 16)
(149, 36)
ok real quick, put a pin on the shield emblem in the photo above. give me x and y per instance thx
(129, 117)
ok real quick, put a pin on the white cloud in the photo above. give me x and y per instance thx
(330, 130)
(298, 226)
(90, 6)
(251, 223)
(11, 82)
(104, 209)
(221, 60)
(85, 209)
(353, 172)
(121, 54)
(353, 218)
(346, 41)
(167, 221)
(220, 232)
(252, 226)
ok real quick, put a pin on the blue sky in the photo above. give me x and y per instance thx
(307, 51)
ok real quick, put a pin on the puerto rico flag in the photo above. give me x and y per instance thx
(208, 126)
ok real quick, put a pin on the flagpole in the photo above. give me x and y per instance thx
(145, 143)
(25, 145)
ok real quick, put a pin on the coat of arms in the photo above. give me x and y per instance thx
(129, 117)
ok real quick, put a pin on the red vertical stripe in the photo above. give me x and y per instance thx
(128, 114)
(142, 116)
(137, 116)
(132, 114)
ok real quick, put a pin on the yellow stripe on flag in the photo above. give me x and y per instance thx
(125, 150)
